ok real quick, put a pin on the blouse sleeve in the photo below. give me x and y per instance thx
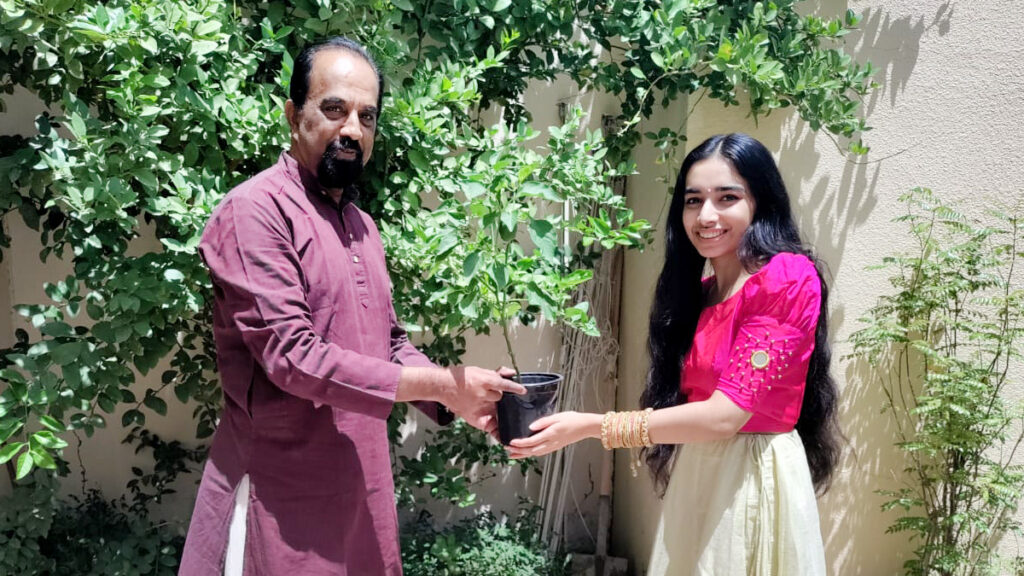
(764, 368)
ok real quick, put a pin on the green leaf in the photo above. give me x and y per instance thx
(207, 28)
(9, 451)
(543, 235)
(156, 404)
(472, 262)
(147, 178)
(473, 189)
(24, 465)
(149, 44)
(47, 439)
(105, 332)
(500, 5)
(578, 277)
(132, 416)
(66, 353)
(51, 423)
(419, 160)
(403, 5)
(536, 296)
(78, 127)
(537, 189)
(509, 222)
(468, 306)
(448, 241)
(57, 329)
(203, 47)
(42, 458)
(9, 429)
(499, 274)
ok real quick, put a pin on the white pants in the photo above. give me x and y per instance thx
(235, 555)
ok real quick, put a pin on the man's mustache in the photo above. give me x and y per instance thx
(343, 145)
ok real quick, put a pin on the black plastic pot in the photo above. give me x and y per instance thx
(516, 413)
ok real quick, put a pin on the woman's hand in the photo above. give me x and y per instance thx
(555, 432)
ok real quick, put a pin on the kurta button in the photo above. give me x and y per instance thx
(355, 259)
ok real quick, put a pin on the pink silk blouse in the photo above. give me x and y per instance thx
(755, 346)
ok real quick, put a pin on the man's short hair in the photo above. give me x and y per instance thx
(298, 89)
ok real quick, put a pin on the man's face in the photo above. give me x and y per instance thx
(332, 134)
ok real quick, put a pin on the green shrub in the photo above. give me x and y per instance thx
(92, 536)
(946, 345)
(480, 546)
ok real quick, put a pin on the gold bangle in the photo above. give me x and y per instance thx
(605, 425)
(634, 439)
(645, 432)
(613, 431)
(621, 421)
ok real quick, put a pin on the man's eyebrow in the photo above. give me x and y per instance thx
(334, 100)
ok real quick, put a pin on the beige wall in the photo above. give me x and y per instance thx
(947, 115)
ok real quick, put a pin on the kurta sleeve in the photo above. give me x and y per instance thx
(764, 368)
(258, 281)
(404, 353)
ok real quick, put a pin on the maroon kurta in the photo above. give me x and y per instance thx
(307, 344)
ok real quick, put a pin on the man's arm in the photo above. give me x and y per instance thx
(404, 353)
(257, 276)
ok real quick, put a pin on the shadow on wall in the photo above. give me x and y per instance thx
(832, 212)
(893, 46)
(871, 462)
(829, 210)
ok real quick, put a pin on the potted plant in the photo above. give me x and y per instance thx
(535, 221)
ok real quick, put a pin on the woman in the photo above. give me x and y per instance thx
(739, 378)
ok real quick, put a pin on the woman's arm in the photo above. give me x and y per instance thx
(716, 418)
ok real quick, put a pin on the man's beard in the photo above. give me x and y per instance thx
(340, 173)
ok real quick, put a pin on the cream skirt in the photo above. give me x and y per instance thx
(740, 507)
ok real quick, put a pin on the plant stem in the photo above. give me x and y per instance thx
(504, 319)
(508, 345)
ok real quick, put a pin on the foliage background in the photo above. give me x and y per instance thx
(159, 108)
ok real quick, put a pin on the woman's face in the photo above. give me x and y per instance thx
(717, 208)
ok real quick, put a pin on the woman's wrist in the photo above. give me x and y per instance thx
(593, 428)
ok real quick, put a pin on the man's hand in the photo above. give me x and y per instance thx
(475, 392)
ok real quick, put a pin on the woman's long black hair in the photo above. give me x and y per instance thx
(675, 310)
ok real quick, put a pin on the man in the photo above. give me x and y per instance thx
(310, 353)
